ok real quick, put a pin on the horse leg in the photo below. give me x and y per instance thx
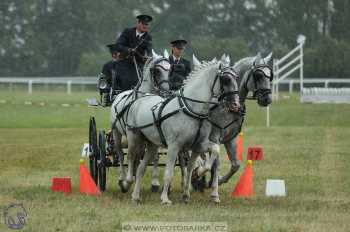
(173, 151)
(202, 169)
(199, 183)
(117, 137)
(235, 164)
(135, 148)
(155, 173)
(183, 167)
(151, 151)
(215, 184)
(190, 166)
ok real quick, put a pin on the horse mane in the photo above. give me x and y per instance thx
(146, 68)
(243, 63)
(203, 67)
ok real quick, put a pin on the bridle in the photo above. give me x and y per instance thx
(157, 64)
(227, 71)
(219, 78)
(257, 72)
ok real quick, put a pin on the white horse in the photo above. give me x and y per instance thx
(178, 122)
(155, 81)
(255, 76)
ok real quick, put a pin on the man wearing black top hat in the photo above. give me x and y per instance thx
(107, 79)
(180, 66)
(134, 45)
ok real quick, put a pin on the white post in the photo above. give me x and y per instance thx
(326, 84)
(301, 68)
(268, 116)
(275, 76)
(291, 82)
(30, 86)
(277, 83)
(69, 87)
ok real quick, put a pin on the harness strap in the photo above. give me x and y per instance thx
(119, 115)
(187, 109)
(198, 132)
(233, 135)
(158, 119)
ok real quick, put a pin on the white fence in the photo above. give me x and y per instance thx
(68, 81)
(287, 65)
(312, 82)
(326, 95)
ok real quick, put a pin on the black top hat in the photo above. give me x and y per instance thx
(144, 18)
(112, 47)
(179, 43)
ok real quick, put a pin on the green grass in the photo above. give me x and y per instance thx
(306, 145)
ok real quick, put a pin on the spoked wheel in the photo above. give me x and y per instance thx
(102, 160)
(93, 150)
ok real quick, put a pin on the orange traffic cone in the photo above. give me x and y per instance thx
(86, 183)
(244, 187)
(239, 146)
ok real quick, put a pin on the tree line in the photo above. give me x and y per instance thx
(68, 37)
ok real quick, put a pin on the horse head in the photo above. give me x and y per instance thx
(228, 90)
(258, 80)
(159, 68)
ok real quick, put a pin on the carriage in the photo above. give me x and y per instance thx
(216, 81)
(102, 154)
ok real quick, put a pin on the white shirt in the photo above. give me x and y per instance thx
(175, 58)
(139, 34)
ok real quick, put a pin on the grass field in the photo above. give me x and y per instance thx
(307, 146)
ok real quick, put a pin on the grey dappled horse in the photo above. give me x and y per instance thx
(256, 77)
(178, 123)
(155, 81)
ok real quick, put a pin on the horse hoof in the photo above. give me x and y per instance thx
(215, 199)
(235, 167)
(169, 190)
(122, 186)
(166, 202)
(136, 200)
(155, 188)
(185, 199)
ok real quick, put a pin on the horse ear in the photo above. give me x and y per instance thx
(214, 60)
(166, 54)
(196, 62)
(267, 58)
(223, 57)
(228, 60)
(257, 58)
(155, 55)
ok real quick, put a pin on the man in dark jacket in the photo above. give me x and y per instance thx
(180, 66)
(109, 67)
(107, 79)
(134, 45)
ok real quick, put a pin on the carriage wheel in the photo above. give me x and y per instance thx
(93, 148)
(102, 160)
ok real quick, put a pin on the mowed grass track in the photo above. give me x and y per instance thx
(307, 146)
